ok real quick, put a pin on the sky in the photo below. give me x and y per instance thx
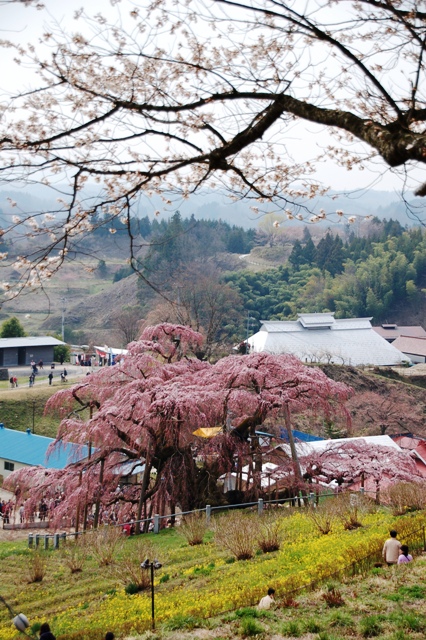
(26, 24)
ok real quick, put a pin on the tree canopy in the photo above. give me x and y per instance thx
(213, 104)
(12, 328)
(146, 409)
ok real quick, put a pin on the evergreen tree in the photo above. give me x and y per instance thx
(12, 328)
(309, 252)
(296, 258)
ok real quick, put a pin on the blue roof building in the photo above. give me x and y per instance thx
(20, 449)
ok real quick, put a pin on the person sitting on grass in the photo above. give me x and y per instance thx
(404, 556)
(268, 600)
(391, 549)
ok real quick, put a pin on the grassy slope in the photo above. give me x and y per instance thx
(388, 603)
(19, 407)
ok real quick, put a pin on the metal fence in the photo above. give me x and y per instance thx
(154, 523)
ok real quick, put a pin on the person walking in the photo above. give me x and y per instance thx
(391, 548)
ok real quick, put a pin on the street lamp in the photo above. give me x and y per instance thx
(152, 565)
(19, 620)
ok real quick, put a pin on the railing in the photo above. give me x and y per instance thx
(155, 520)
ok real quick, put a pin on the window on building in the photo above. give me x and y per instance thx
(9, 466)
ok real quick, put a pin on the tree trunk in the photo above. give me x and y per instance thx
(145, 483)
(98, 498)
(294, 457)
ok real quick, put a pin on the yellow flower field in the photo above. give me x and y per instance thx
(201, 581)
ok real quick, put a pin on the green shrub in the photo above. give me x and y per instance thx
(182, 622)
(250, 627)
(312, 626)
(165, 578)
(131, 588)
(371, 626)
(410, 621)
(339, 619)
(247, 612)
(415, 591)
(291, 629)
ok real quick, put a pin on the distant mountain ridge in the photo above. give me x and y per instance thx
(215, 205)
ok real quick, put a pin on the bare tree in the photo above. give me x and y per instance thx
(204, 303)
(128, 322)
(205, 96)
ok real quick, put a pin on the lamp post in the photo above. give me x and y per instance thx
(19, 620)
(152, 565)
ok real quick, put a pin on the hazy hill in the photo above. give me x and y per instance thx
(216, 206)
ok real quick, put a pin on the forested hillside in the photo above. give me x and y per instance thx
(381, 276)
(221, 279)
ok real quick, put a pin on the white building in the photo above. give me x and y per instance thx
(319, 337)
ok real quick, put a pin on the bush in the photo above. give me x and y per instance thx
(404, 497)
(37, 566)
(237, 532)
(333, 598)
(128, 570)
(247, 612)
(410, 621)
(289, 602)
(250, 627)
(270, 534)
(291, 629)
(324, 516)
(131, 588)
(312, 626)
(182, 622)
(193, 528)
(371, 626)
(105, 543)
(74, 554)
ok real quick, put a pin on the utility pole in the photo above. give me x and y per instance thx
(63, 300)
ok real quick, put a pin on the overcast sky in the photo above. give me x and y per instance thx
(26, 24)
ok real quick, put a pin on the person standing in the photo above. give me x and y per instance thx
(50, 376)
(391, 548)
